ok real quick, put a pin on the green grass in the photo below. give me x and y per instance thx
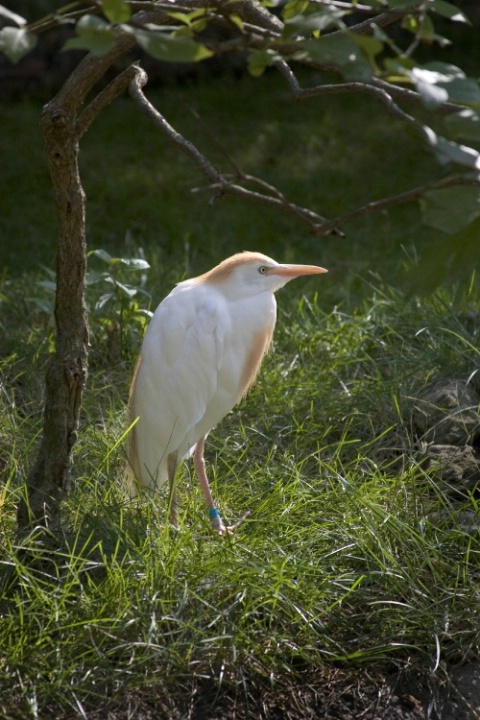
(353, 555)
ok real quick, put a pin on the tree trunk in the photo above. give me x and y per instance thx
(63, 125)
(67, 372)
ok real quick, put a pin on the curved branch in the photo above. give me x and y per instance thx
(413, 97)
(356, 86)
(217, 181)
(104, 98)
(381, 90)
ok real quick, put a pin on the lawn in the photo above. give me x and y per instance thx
(355, 558)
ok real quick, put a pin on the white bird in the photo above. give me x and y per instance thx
(201, 353)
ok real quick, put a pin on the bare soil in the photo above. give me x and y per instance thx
(336, 694)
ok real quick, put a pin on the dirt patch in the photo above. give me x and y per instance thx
(328, 695)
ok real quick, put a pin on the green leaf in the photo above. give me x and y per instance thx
(102, 254)
(135, 263)
(171, 48)
(432, 94)
(258, 60)
(439, 82)
(449, 11)
(103, 300)
(15, 43)
(237, 20)
(445, 261)
(98, 44)
(337, 49)
(461, 89)
(370, 45)
(187, 18)
(293, 8)
(91, 23)
(127, 290)
(449, 151)
(305, 24)
(465, 124)
(451, 209)
(344, 50)
(94, 34)
(117, 11)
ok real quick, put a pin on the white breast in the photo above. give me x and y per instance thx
(200, 354)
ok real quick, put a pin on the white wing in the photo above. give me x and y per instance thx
(177, 378)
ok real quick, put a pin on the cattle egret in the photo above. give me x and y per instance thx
(201, 353)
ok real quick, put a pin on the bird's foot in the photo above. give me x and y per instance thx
(227, 530)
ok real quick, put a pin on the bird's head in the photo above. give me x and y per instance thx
(250, 273)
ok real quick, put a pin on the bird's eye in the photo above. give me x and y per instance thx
(262, 269)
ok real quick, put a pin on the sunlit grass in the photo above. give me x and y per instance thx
(352, 553)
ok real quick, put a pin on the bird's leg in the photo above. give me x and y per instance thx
(199, 466)
(215, 519)
(172, 498)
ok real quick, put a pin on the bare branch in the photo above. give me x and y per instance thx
(411, 96)
(104, 98)
(366, 26)
(401, 198)
(381, 93)
(217, 181)
(379, 89)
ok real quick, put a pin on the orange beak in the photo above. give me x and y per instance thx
(293, 271)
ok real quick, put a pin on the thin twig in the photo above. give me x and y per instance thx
(401, 198)
(411, 96)
(240, 175)
(366, 27)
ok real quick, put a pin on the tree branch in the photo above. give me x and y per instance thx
(401, 198)
(411, 96)
(303, 93)
(104, 98)
(382, 20)
(379, 89)
(217, 181)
